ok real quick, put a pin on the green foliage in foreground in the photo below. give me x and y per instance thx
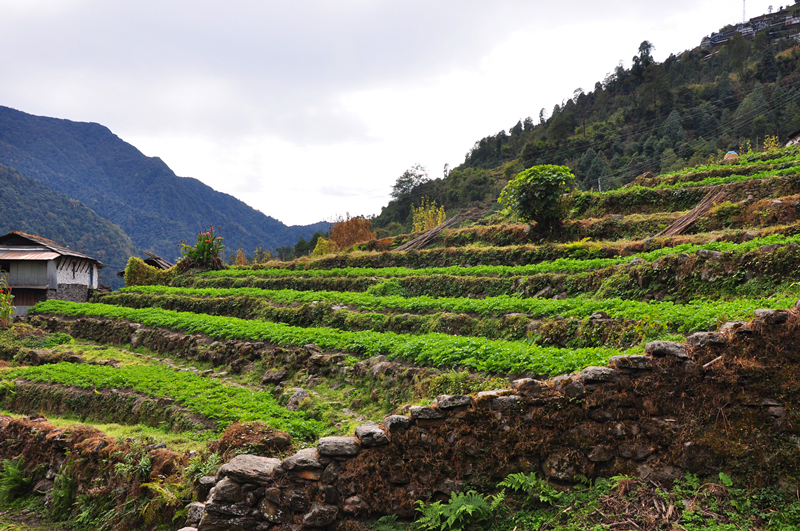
(553, 266)
(437, 350)
(684, 318)
(211, 398)
(536, 504)
(14, 480)
(463, 509)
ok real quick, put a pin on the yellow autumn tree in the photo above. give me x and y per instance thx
(323, 247)
(241, 259)
(427, 215)
(261, 256)
(772, 143)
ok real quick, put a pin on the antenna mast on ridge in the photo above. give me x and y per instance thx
(744, 16)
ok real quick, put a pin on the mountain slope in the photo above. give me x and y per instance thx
(156, 208)
(651, 117)
(29, 206)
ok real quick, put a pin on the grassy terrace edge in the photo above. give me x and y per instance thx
(684, 318)
(211, 398)
(436, 350)
(558, 265)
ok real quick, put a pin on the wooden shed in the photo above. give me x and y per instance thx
(39, 269)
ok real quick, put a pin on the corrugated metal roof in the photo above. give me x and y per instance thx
(50, 244)
(27, 255)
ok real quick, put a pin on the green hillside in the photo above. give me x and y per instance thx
(651, 117)
(31, 207)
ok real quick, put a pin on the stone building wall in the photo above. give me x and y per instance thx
(72, 292)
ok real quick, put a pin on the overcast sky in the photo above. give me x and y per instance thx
(307, 109)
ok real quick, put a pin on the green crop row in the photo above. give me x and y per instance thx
(684, 318)
(640, 199)
(713, 181)
(578, 247)
(437, 350)
(437, 285)
(554, 266)
(698, 173)
(329, 315)
(683, 278)
(560, 264)
(211, 398)
(789, 154)
(508, 245)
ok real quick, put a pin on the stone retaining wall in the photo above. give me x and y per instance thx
(87, 458)
(723, 401)
(106, 405)
(399, 379)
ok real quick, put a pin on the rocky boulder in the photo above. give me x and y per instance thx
(249, 469)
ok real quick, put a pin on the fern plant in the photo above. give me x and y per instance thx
(534, 488)
(98, 513)
(387, 523)
(165, 495)
(462, 510)
(65, 489)
(14, 480)
(132, 469)
(200, 466)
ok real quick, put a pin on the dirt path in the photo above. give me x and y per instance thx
(27, 520)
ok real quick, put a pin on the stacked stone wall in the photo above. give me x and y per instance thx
(72, 292)
(722, 401)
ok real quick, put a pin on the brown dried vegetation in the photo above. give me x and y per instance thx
(348, 231)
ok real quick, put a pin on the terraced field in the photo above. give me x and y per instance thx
(315, 347)
(538, 308)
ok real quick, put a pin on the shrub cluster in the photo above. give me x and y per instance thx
(205, 254)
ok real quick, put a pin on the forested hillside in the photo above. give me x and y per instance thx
(31, 207)
(651, 117)
(142, 195)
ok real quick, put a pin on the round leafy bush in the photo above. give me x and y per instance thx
(534, 195)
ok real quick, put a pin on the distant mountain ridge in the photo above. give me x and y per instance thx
(140, 194)
(29, 206)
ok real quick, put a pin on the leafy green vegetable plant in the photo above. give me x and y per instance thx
(211, 398)
(437, 350)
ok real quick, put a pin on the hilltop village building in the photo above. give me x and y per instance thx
(782, 24)
(38, 269)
